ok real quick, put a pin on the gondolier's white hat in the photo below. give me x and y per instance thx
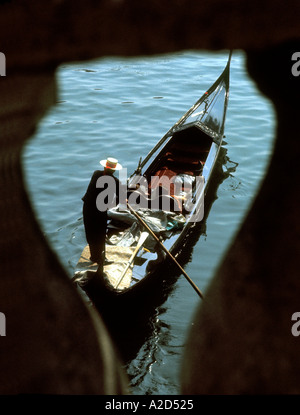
(111, 163)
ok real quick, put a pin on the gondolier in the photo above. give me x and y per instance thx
(95, 212)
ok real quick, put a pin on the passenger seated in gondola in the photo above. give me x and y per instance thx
(158, 198)
(170, 191)
(167, 189)
(161, 199)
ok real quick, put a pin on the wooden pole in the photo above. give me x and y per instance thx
(142, 239)
(165, 250)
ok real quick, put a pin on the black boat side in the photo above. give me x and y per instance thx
(198, 123)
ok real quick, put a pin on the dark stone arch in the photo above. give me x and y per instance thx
(45, 350)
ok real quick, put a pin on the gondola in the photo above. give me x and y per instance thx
(166, 193)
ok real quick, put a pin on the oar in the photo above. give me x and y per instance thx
(165, 250)
(141, 240)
